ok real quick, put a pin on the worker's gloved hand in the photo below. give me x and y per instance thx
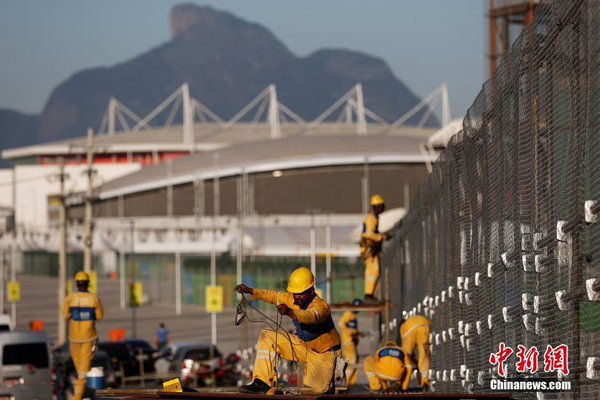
(283, 309)
(241, 288)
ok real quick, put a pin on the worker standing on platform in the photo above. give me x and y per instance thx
(316, 342)
(82, 309)
(370, 247)
(414, 333)
(350, 334)
(386, 369)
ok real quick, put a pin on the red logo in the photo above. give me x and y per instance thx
(556, 359)
(500, 357)
(528, 359)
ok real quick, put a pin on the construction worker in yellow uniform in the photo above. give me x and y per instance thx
(82, 309)
(414, 333)
(385, 370)
(316, 342)
(370, 247)
(349, 333)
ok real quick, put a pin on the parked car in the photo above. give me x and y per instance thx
(5, 323)
(143, 351)
(122, 358)
(184, 358)
(26, 366)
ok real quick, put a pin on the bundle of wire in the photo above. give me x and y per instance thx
(268, 321)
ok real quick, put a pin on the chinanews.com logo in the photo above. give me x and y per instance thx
(555, 361)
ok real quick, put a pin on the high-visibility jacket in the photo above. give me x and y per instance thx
(413, 323)
(83, 309)
(371, 239)
(313, 321)
(348, 327)
(390, 361)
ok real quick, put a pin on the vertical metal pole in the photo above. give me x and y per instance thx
(87, 255)
(328, 258)
(406, 196)
(493, 33)
(313, 247)
(213, 250)
(239, 233)
(62, 256)
(13, 258)
(133, 278)
(273, 114)
(178, 282)
(122, 291)
(387, 306)
(111, 116)
(365, 186)
(169, 188)
(2, 283)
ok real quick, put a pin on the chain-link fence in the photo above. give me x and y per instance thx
(502, 244)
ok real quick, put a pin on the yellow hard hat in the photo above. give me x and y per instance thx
(300, 280)
(82, 276)
(376, 200)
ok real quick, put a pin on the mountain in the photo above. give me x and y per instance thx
(16, 130)
(226, 61)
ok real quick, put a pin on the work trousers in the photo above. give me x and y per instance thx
(419, 338)
(371, 274)
(82, 354)
(351, 355)
(320, 367)
(375, 382)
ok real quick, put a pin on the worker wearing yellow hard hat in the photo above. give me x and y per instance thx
(386, 369)
(414, 333)
(316, 342)
(370, 247)
(82, 309)
(349, 335)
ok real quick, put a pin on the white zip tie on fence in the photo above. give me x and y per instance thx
(537, 304)
(526, 300)
(480, 378)
(466, 284)
(461, 326)
(468, 374)
(463, 370)
(508, 264)
(459, 282)
(539, 328)
(479, 327)
(444, 336)
(437, 301)
(438, 374)
(490, 271)
(450, 291)
(431, 337)
(469, 299)
(451, 333)
(592, 368)
(529, 322)
(593, 295)
(452, 375)
(460, 296)
(477, 279)
(437, 339)
(443, 296)
(560, 235)
(425, 301)
(562, 305)
(419, 308)
(537, 236)
(430, 302)
(590, 217)
(467, 329)
(469, 341)
(539, 260)
(462, 340)
(506, 315)
(445, 376)
(490, 321)
(528, 263)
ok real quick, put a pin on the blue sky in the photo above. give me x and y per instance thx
(425, 42)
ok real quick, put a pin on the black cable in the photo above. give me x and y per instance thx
(240, 311)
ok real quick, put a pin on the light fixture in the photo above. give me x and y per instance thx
(277, 173)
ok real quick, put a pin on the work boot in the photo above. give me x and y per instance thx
(257, 386)
(425, 388)
(370, 299)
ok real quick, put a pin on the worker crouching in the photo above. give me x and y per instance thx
(82, 309)
(386, 369)
(316, 342)
(414, 333)
(350, 335)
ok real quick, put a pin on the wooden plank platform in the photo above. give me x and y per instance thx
(233, 394)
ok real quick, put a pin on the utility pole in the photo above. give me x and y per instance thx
(133, 278)
(87, 254)
(13, 253)
(62, 254)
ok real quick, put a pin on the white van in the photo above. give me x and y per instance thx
(25, 366)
